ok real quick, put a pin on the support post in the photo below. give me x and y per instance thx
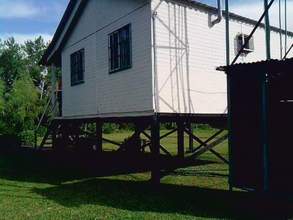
(99, 136)
(191, 142)
(180, 139)
(54, 137)
(136, 136)
(155, 150)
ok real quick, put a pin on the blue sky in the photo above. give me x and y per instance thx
(26, 19)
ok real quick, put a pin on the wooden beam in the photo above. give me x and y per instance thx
(180, 139)
(99, 136)
(204, 143)
(190, 137)
(155, 150)
(210, 146)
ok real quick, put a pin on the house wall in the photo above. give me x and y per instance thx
(127, 92)
(188, 51)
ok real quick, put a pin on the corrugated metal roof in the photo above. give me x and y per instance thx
(266, 66)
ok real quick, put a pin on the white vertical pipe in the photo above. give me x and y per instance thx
(156, 91)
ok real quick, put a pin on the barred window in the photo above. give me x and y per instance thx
(120, 57)
(77, 67)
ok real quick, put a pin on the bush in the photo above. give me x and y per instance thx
(109, 128)
(21, 108)
(28, 137)
(203, 127)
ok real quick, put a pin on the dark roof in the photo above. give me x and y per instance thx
(268, 66)
(72, 3)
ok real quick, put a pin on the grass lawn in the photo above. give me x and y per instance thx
(30, 188)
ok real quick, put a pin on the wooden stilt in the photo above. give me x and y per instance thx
(155, 149)
(99, 135)
(180, 139)
(137, 137)
(54, 138)
(190, 137)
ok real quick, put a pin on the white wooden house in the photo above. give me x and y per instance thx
(138, 57)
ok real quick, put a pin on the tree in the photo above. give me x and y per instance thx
(21, 107)
(22, 82)
(2, 106)
(2, 101)
(11, 62)
(34, 49)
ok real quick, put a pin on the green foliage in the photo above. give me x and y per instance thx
(109, 128)
(11, 62)
(27, 137)
(203, 127)
(2, 101)
(34, 51)
(21, 107)
(24, 87)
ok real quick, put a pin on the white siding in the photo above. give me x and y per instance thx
(189, 30)
(195, 85)
(127, 92)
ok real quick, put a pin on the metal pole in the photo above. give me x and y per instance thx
(286, 27)
(265, 102)
(228, 91)
(227, 32)
(265, 132)
(288, 51)
(268, 30)
(280, 26)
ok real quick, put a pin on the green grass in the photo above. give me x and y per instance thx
(31, 189)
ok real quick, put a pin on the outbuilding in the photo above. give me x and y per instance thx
(261, 125)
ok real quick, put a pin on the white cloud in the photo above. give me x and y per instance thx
(17, 9)
(254, 9)
(21, 38)
(31, 9)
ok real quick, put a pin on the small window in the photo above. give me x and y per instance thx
(77, 67)
(241, 40)
(120, 57)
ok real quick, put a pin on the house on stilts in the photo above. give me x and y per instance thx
(147, 62)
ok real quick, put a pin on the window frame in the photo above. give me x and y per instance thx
(78, 67)
(119, 58)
